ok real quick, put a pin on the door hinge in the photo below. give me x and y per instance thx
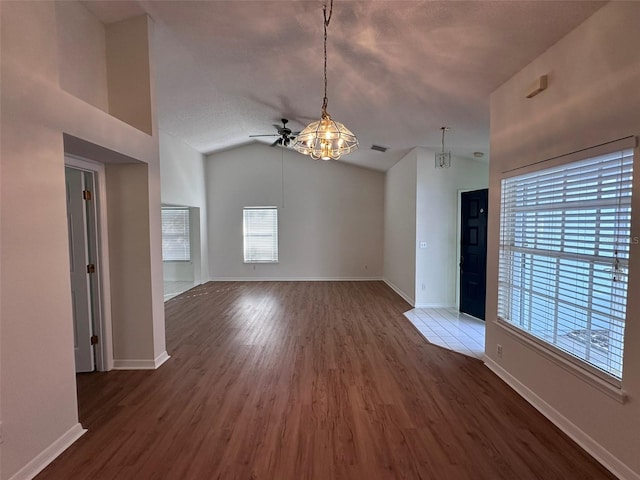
(91, 268)
(86, 194)
(94, 339)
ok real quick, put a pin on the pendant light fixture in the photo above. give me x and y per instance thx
(326, 138)
(443, 159)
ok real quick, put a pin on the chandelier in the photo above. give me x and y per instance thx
(325, 138)
(443, 159)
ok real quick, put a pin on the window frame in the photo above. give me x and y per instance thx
(607, 382)
(275, 232)
(188, 229)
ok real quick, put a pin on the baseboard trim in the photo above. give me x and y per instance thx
(141, 364)
(399, 291)
(295, 279)
(160, 359)
(597, 451)
(434, 305)
(49, 454)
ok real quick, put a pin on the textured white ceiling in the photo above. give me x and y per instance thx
(397, 70)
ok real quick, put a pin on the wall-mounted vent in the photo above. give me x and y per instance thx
(379, 148)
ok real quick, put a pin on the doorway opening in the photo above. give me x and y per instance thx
(472, 285)
(88, 264)
(181, 249)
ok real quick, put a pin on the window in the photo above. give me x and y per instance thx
(564, 253)
(260, 234)
(176, 241)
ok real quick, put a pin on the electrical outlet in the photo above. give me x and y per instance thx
(499, 350)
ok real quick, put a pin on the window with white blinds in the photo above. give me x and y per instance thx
(260, 234)
(565, 234)
(176, 240)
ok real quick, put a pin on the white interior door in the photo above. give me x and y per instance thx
(78, 266)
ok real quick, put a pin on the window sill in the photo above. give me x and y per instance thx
(257, 262)
(607, 385)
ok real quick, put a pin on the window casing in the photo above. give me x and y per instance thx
(176, 235)
(260, 234)
(565, 234)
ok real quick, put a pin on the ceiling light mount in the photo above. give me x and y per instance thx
(326, 138)
(443, 159)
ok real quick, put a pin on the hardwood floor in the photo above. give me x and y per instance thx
(310, 380)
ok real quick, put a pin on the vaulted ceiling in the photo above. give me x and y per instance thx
(397, 70)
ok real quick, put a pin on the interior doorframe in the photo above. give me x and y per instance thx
(103, 325)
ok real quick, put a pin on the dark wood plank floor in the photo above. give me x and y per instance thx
(311, 380)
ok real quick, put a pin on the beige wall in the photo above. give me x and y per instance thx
(593, 97)
(37, 386)
(400, 226)
(421, 205)
(82, 54)
(437, 221)
(128, 73)
(330, 214)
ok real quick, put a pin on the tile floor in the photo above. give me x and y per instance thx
(450, 329)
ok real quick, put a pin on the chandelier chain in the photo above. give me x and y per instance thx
(327, 19)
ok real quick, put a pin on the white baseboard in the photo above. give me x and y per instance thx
(434, 305)
(396, 289)
(597, 451)
(294, 279)
(49, 454)
(141, 364)
(160, 359)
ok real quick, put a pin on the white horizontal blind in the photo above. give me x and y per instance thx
(260, 234)
(565, 234)
(176, 241)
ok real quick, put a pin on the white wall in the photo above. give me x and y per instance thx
(437, 225)
(593, 97)
(37, 384)
(400, 226)
(330, 214)
(421, 205)
(182, 177)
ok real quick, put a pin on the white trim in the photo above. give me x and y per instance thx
(104, 360)
(160, 359)
(295, 279)
(565, 361)
(396, 289)
(434, 305)
(597, 451)
(625, 143)
(49, 454)
(141, 364)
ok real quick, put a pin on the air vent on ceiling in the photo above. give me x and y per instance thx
(379, 148)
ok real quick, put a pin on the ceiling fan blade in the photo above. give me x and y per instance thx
(265, 135)
(277, 142)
